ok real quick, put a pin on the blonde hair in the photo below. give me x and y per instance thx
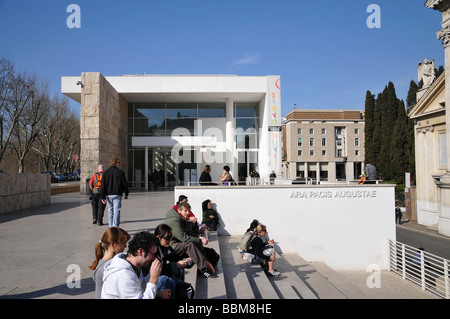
(113, 160)
(206, 168)
(260, 228)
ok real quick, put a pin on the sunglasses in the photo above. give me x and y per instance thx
(167, 237)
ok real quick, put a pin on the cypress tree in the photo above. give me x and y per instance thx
(369, 126)
(389, 142)
(410, 141)
(398, 145)
(377, 133)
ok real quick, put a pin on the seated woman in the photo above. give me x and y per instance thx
(114, 241)
(172, 264)
(210, 216)
(264, 251)
(226, 179)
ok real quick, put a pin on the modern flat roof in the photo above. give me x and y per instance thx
(158, 88)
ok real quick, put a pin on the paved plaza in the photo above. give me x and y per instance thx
(43, 248)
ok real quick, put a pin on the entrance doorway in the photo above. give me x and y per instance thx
(246, 164)
(162, 169)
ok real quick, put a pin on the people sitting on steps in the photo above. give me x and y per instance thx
(183, 243)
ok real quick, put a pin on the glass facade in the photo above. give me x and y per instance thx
(160, 119)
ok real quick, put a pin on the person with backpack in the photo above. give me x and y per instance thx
(98, 207)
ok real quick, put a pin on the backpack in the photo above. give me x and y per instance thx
(97, 183)
(246, 240)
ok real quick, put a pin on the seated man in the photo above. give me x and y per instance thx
(185, 244)
(123, 276)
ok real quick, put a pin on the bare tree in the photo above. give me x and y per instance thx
(12, 102)
(27, 129)
(53, 123)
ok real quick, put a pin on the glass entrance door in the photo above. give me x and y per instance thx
(161, 163)
(246, 164)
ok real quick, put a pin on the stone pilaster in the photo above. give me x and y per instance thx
(103, 123)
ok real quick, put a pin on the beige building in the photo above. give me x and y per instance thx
(323, 145)
(431, 115)
(430, 150)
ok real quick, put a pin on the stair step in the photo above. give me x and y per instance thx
(244, 280)
(289, 285)
(212, 288)
(323, 288)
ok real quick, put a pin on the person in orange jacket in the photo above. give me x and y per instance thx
(98, 207)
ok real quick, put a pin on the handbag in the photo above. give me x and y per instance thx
(212, 256)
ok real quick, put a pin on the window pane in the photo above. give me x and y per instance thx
(178, 123)
(149, 126)
(246, 110)
(247, 123)
(177, 110)
(211, 109)
(246, 141)
(149, 110)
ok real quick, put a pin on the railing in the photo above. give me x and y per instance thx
(429, 271)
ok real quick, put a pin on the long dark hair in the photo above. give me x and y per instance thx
(162, 229)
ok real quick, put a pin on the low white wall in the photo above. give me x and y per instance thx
(347, 227)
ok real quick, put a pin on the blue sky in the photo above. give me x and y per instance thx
(324, 51)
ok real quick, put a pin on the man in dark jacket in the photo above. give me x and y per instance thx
(114, 184)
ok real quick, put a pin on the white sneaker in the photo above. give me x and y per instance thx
(274, 273)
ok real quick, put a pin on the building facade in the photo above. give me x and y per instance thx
(430, 151)
(323, 145)
(177, 124)
(431, 115)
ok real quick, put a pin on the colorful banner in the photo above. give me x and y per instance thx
(275, 124)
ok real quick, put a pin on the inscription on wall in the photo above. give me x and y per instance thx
(334, 194)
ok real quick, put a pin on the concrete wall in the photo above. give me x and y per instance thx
(20, 191)
(347, 227)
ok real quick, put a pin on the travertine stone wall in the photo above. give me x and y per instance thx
(103, 121)
(21, 191)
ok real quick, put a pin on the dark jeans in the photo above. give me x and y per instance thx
(196, 254)
(98, 208)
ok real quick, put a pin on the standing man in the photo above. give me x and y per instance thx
(398, 215)
(114, 184)
(98, 207)
(371, 172)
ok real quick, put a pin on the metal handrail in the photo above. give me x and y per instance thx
(429, 271)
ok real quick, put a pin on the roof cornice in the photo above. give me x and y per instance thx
(437, 86)
(440, 5)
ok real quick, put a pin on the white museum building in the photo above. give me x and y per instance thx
(177, 124)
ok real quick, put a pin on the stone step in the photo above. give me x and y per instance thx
(319, 285)
(212, 288)
(289, 285)
(244, 280)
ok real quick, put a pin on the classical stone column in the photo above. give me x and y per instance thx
(443, 182)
